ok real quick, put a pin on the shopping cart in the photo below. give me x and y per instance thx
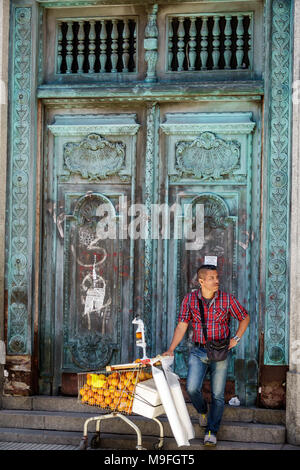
(121, 392)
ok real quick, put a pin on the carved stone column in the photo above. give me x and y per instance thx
(4, 22)
(21, 203)
(150, 45)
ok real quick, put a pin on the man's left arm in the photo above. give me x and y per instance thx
(243, 324)
(238, 312)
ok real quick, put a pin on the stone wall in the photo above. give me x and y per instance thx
(293, 376)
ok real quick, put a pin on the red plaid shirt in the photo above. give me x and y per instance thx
(217, 315)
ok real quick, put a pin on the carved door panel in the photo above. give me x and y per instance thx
(210, 164)
(88, 263)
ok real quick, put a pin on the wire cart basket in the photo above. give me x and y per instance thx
(119, 392)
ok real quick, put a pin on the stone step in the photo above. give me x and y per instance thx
(120, 441)
(60, 403)
(74, 421)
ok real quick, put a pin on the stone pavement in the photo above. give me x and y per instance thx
(33, 446)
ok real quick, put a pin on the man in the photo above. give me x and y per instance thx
(218, 307)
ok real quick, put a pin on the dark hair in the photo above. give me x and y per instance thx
(206, 267)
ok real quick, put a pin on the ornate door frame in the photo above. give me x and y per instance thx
(23, 195)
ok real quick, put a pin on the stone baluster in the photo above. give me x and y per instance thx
(250, 42)
(216, 42)
(180, 44)
(125, 56)
(192, 44)
(69, 58)
(227, 42)
(134, 47)
(59, 46)
(150, 45)
(103, 47)
(204, 43)
(92, 46)
(170, 44)
(239, 42)
(80, 57)
(114, 46)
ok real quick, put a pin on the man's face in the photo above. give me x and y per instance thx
(209, 280)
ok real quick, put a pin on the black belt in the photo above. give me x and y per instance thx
(199, 345)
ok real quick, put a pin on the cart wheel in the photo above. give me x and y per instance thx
(83, 444)
(96, 441)
(158, 445)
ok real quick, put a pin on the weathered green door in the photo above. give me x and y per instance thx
(120, 136)
(94, 286)
(211, 161)
(88, 273)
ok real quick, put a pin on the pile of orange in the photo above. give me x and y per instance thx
(114, 391)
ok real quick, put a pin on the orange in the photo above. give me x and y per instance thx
(122, 406)
(89, 379)
(142, 375)
(127, 382)
(82, 391)
(131, 388)
(92, 401)
(108, 400)
(106, 393)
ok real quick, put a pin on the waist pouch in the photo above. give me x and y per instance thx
(216, 350)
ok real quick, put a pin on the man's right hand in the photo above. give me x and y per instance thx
(168, 353)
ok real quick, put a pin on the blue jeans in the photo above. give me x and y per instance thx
(198, 366)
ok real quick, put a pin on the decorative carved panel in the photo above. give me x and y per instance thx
(207, 157)
(91, 297)
(94, 157)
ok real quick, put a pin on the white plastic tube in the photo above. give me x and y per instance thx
(166, 397)
(174, 385)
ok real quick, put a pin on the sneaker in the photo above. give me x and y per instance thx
(203, 420)
(210, 439)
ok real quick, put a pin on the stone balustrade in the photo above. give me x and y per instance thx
(96, 46)
(210, 42)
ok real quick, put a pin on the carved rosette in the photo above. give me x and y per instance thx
(91, 351)
(95, 157)
(207, 157)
